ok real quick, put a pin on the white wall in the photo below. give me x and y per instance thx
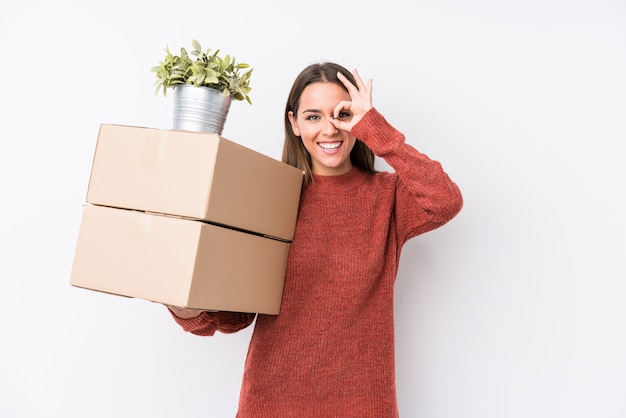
(514, 309)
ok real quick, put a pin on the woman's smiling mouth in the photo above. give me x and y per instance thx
(330, 147)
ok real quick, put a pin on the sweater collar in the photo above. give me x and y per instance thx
(348, 181)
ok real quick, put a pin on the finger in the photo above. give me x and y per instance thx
(352, 89)
(364, 88)
(368, 89)
(361, 90)
(343, 105)
(341, 125)
(359, 82)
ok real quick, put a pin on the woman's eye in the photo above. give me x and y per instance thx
(343, 115)
(312, 117)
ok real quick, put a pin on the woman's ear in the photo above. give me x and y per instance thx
(294, 124)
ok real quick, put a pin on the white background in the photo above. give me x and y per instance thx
(514, 309)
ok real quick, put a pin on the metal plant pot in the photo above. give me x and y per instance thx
(200, 109)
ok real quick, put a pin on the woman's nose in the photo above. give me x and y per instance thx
(329, 128)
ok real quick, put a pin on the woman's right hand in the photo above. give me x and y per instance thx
(184, 313)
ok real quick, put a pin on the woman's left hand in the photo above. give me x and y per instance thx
(360, 104)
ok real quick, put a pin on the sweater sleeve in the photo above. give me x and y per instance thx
(426, 198)
(207, 323)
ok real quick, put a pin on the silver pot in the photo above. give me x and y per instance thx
(200, 109)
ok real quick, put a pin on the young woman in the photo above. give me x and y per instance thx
(330, 351)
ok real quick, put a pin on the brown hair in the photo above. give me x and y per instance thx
(294, 152)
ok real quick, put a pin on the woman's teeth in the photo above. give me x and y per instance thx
(330, 146)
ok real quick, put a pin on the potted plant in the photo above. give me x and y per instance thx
(204, 85)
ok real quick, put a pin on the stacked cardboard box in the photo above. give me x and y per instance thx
(188, 219)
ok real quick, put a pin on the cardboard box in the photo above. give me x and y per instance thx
(196, 175)
(178, 261)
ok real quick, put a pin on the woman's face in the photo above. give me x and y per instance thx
(328, 146)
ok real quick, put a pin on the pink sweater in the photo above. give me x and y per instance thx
(330, 351)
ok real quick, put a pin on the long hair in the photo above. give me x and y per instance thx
(294, 152)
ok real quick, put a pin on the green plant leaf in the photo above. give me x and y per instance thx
(204, 69)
